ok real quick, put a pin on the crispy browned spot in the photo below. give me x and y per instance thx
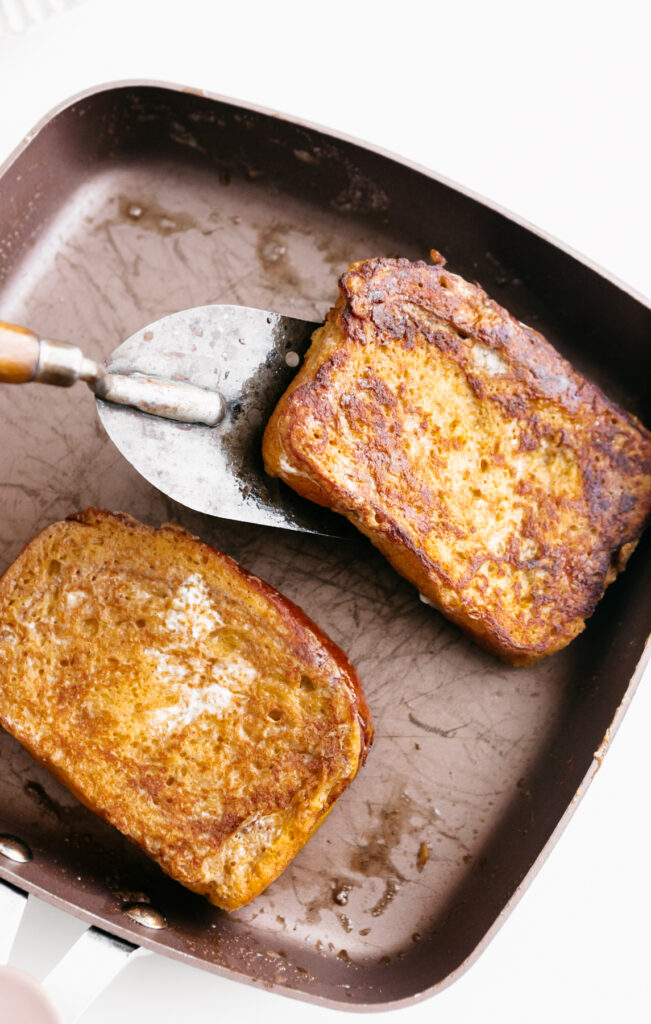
(503, 484)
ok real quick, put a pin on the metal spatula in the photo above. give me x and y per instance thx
(186, 400)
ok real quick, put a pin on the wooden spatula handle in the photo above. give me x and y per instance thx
(19, 351)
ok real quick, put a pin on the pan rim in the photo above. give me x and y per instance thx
(17, 877)
(314, 126)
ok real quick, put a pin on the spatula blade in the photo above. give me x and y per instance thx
(249, 356)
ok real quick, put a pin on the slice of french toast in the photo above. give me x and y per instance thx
(178, 696)
(491, 474)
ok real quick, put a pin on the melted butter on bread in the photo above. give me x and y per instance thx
(179, 697)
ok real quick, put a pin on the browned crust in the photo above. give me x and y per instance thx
(309, 645)
(403, 306)
(307, 635)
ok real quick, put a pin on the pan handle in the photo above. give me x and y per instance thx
(72, 985)
(12, 906)
(86, 970)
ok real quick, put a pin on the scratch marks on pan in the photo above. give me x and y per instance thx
(126, 268)
(458, 726)
(446, 733)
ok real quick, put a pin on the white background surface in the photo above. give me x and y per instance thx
(543, 108)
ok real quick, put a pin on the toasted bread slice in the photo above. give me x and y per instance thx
(506, 487)
(179, 697)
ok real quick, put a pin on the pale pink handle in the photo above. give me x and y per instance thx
(72, 984)
(23, 999)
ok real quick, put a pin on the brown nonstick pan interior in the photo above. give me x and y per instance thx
(136, 201)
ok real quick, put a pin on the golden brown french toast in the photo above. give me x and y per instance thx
(492, 475)
(179, 697)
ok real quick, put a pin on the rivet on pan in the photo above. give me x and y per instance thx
(145, 915)
(15, 849)
(292, 359)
